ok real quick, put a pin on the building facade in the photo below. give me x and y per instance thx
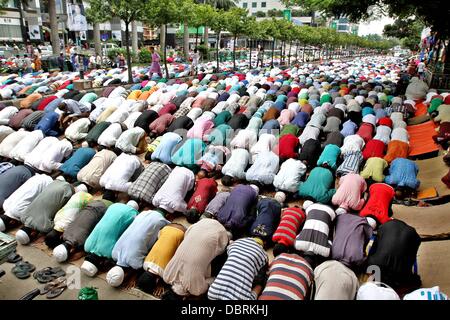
(344, 25)
(35, 26)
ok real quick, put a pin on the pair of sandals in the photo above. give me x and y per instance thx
(49, 274)
(52, 289)
(14, 257)
(23, 269)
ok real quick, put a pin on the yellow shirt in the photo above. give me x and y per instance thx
(134, 94)
(163, 250)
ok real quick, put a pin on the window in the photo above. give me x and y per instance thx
(254, 4)
(12, 31)
(244, 5)
(343, 27)
(263, 4)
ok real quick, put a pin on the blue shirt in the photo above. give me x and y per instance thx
(47, 123)
(77, 161)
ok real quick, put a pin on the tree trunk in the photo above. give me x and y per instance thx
(234, 52)
(54, 36)
(196, 38)
(97, 42)
(165, 54)
(217, 50)
(250, 55)
(162, 36)
(127, 44)
(289, 53)
(303, 54)
(447, 59)
(273, 52)
(186, 41)
(296, 52)
(206, 36)
(22, 24)
(134, 37)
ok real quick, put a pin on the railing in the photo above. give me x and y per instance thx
(439, 81)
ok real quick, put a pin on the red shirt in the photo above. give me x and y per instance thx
(377, 207)
(374, 148)
(366, 132)
(44, 102)
(205, 191)
(288, 146)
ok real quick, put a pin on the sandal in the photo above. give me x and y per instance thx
(22, 270)
(14, 257)
(53, 284)
(48, 274)
(57, 290)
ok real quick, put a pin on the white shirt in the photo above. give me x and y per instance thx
(383, 134)
(236, 165)
(60, 93)
(33, 158)
(51, 159)
(7, 113)
(108, 138)
(119, 115)
(117, 92)
(309, 133)
(266, 142)
(400, 134)
(26, 145)
(129, 139)
(351, 144)
(78, 130)
(16, 204)
(421, 67)
(171, 195)
(290, 175)
(246, 138)
(117, 176)
(11, 141)
(4, 132)
(129, 122)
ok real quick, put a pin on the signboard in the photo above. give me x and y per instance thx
(287, 14)
(333, 25)
(34, 32)
(76, 19)
(117, 35)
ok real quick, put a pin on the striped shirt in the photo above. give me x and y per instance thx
(351, 164)
(315, 233)
(291, 220)
(290, 277)
(235, 280)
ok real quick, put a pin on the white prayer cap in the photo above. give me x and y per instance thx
(306, 204)
(133, 204)
(81, 188)
(340, 211)
(2, 225)
(115, 276)
(22, 237)
(255, 188)
(61, 178)
(280, 197)
(372, 222)
(60, 253)
(373, 291)
(89, 268)
(85, 144)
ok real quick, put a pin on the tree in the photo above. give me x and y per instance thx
(127, 11)
(235, 22)
(95, 16)
(217, 25)
(269, 28)
(260, 14)
(408, 31)
(159, 13)
(273, 13)
(218, 4)
(54, 35)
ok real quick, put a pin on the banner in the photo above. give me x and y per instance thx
(76, 18)
(34, 32)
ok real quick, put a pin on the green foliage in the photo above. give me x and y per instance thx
(260, 14)
(274, 13)
(235, 21)
(407, 31)
(112, 54)
(145, 56)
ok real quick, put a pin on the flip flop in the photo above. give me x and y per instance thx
(14, 257)
(56, 291)
(48, 274)
(22, 270)
(52, 285)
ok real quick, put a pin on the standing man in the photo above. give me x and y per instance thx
(421, 69)
(27, 64)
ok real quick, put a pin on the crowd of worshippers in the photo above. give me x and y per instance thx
(333, 136)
